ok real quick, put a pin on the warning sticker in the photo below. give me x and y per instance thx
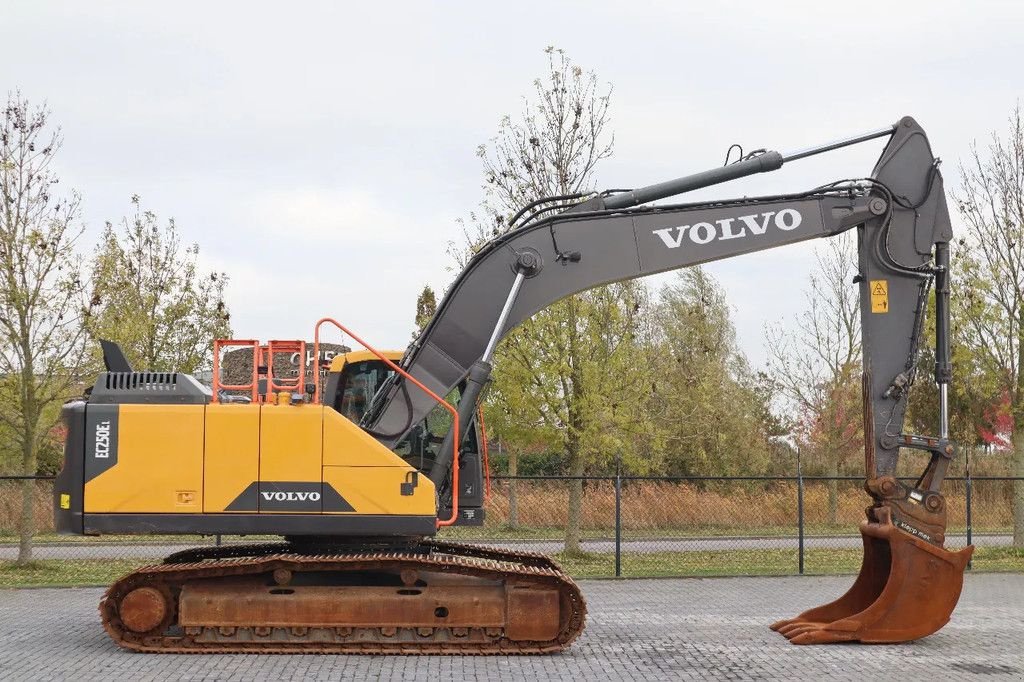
(65, 501)
(879, 295)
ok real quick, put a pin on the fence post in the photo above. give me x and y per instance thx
(618, 515)
(970, 487)
(800, 510)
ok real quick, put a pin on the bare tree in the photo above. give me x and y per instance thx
(815, 364)
(552, 149)
(41, 303)
(991, 203)
(554, 375)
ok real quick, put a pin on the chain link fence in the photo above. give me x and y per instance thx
(709, 526)
(625, 526)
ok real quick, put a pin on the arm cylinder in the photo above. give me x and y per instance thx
(764, 163)
(768, 161)
(844, 142)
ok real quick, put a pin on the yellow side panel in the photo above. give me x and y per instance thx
(159, 463)
(345, 444)
(291, 440)
(377, 490)
(232, 461)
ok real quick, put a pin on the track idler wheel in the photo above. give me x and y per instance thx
(907, 589)
(145, 609)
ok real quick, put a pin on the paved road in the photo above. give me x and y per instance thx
(135, 550)
(680, 629)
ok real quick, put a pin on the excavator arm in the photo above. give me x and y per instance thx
(903, 248)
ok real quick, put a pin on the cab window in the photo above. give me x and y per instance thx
(359, 381)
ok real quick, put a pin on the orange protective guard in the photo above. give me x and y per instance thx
(218, 346)
(440, 401)
(277, 347)
(484, 451)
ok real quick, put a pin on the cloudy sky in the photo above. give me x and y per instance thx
(321, 153)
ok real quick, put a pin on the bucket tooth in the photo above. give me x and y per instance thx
(907, 588)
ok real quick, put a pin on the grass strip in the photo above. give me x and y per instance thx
(762, 562)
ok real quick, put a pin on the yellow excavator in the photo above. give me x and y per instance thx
(358, 470)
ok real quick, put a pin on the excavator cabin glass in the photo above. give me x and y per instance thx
(357, 384)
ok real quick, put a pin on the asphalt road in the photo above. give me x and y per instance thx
(669, 629)
(139, 550)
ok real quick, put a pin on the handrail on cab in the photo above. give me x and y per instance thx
(440, 401)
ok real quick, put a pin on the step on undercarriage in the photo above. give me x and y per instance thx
(426, 598)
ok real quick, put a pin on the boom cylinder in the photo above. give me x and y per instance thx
(480, 372)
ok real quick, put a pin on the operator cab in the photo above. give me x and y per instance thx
(352, 380)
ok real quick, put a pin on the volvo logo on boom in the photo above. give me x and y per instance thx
(730, 228)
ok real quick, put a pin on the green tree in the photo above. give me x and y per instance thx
(426, 306)
(151, 298)
(42, 311)
(991, 203)
(710, 407)
(572, 378)
(977, 402)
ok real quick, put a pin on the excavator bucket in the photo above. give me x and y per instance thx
(907, 589)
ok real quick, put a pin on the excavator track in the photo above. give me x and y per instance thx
(429, 597)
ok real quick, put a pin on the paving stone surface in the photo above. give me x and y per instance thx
(636, 630)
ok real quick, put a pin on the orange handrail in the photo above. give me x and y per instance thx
(484, 452)
(277, 347)
(455, 413)
(219, 386)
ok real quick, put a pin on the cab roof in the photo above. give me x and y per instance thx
(339, 361)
